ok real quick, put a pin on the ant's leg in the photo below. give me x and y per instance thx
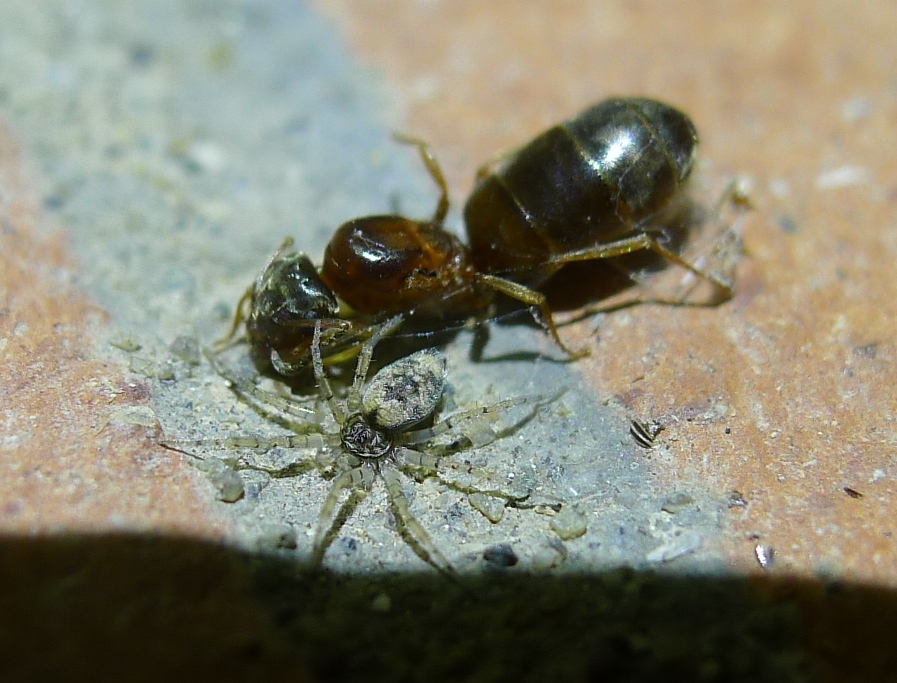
(538, 304)
(730, 211)
(435, 173)
(640, 243)
(736, 194)
(727, 215)
(240, 315)
(497, 159)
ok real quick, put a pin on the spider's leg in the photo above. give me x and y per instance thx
(434, 464)
(364, 360)
(339, 518)
(362, 477)
(473, 422)
(326, 391)
(265, 400)
(415, 534)
(322, 460)
(253, 442)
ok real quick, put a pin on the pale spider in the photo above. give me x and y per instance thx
(379, 435)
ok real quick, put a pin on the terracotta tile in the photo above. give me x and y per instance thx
(80, 450)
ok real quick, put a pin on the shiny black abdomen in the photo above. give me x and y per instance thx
(591, 180)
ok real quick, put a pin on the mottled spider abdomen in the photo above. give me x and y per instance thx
(405, 392)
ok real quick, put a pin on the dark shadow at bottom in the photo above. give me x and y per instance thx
(130, 607)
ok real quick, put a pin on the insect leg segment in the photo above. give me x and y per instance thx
(640, 242)
(414, 462)
(326, 391)
(420, 540)
(364, 360)
(240, 315)
(432, 463)
(264, 400)
(253, 442)
(538, 304)
(360, 477)
(473, 422)
(435, 171)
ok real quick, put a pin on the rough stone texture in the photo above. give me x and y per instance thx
(153, 155)
(79, 435)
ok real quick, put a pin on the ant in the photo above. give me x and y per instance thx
(604, 184)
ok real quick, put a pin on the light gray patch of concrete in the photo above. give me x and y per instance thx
(178, 143)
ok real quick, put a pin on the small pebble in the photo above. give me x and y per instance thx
(185, 348)
(228, 484)
(490, 507)
(677, 503)
(569, 523)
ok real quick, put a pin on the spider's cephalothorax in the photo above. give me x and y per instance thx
(361, 439)
(381, 434)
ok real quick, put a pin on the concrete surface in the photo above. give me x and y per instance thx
(152, 156)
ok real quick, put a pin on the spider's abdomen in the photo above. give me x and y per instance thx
(405, 392)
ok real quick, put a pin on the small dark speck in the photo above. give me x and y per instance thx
(114, 152)
(787, 224)
(12, 509)
(297, 126)
(869, 351)
(54, 202)
(728, 430)
(852, 492)
(348, 545)
(252, 650)
(835, 587)
(142, 55)
(454, 512)
(736, 499)
(500, 555)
